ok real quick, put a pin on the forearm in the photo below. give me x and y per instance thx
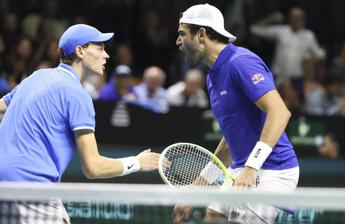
(223, 153)
(96, 166)
(275, 124)
(277, 117)
(103, 167)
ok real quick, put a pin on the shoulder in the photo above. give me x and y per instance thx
(244, 58)
(140, 88)
(308, 33)
(109, 86)
(72, 91)
(176, 88)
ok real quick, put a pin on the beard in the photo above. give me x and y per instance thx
(193, 56)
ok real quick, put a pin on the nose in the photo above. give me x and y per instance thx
(106, 55)
(178, 41)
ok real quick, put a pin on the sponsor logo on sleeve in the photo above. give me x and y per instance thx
(256, 78)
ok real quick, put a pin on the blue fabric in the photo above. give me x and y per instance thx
(157, 103)
(37, 130)
(4, 85)
(237, 79)
(108, 92)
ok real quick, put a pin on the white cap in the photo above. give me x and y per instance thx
(206, 15)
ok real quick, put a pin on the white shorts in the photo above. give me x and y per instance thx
(50, 212)
(269, 180)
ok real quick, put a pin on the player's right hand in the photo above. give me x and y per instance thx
(148, 160)
(181, 212)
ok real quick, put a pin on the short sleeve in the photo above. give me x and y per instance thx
(252, 76)
(80, 110)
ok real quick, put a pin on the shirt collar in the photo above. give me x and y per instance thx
(68, 69)
(223, 56)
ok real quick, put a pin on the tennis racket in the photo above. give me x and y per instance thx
(193, 166)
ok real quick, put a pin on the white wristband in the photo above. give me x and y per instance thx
(211, 172)
(259, 155)
(130, 165)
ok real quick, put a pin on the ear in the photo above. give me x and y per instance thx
(202, 35)
(79, 52)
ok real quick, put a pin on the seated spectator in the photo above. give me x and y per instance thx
(150, 94)
(338, 64)
(188, 92)
(329, 100)
(121, 54)
(290, 96)
(118, 86)
(330, 147)
(20, 58)
(4, 85)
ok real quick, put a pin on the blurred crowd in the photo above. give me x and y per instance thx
(303, 42)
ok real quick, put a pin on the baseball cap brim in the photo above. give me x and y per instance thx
(225, 33)
(103, 37)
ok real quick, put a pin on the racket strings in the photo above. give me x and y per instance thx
(187, 163)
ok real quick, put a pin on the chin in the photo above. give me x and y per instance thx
(99, 72)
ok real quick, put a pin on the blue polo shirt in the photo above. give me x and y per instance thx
(37, 131)
(237, 79)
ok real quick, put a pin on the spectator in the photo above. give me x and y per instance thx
(329, 100)
(338, 64)
(44, 23)
(20, 58)
(294, 43)
(118, 86)
(290, 96)
(150, 94)
(50, 55)
(4, 67)
(330, 147)
(189, 92)
(9, 29)
(42, 65)
(47, 51)
(121, 55)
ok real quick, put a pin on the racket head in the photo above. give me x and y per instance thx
(187, 162)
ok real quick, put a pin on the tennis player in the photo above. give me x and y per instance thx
(49, 114)
(249, 110)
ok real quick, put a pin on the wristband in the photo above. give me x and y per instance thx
(211, 172)
(130, 165)
(259, 155)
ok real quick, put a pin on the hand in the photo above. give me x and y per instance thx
(148, 160)
(277, 17)
(246, 178)
(181, 212)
